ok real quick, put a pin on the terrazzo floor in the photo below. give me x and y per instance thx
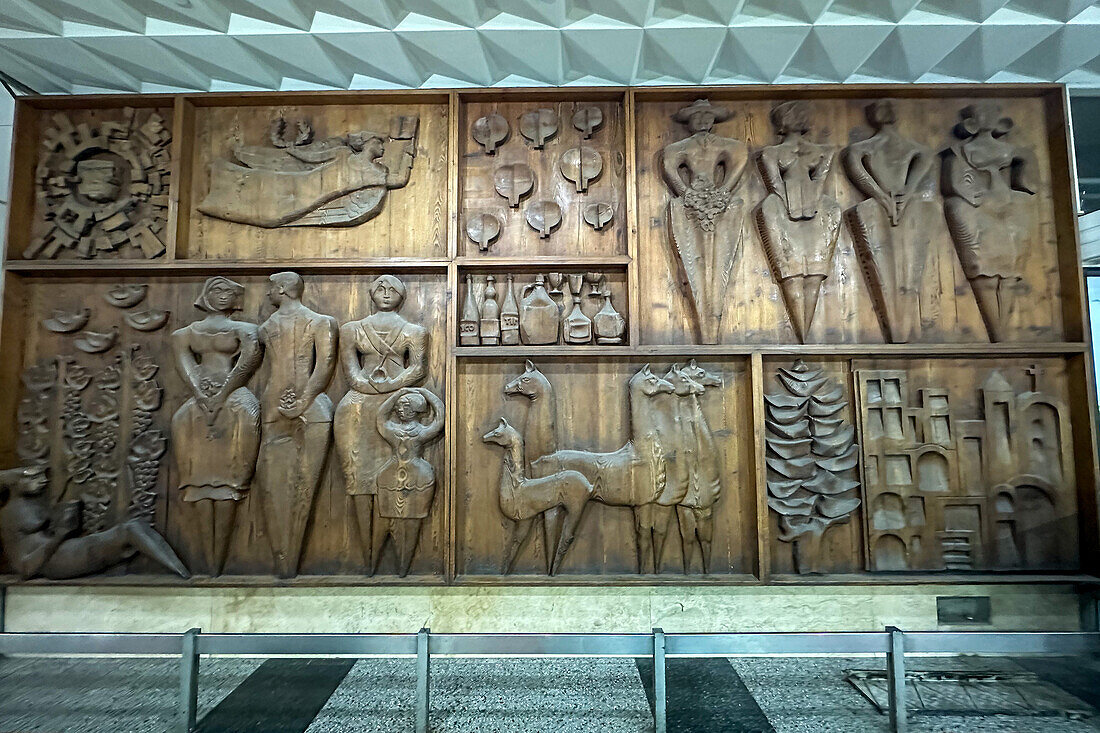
(742, 695)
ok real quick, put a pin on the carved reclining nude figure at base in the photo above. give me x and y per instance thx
(300, 354)
(798, 222)
(40, 543)
(704, 217)
(892, 228)
(987, 186)
(341, 181)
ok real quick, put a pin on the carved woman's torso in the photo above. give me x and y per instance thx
(989, 155)
(889, 158)
(707, 160)
(216, 342)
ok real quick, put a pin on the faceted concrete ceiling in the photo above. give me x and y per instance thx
(171, 45)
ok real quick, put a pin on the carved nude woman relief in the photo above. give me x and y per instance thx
(892, 227)
(986, 186)
(798, 222)
(704, 216)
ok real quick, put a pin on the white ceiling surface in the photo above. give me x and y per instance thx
(173, 45)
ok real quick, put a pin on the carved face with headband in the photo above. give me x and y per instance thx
(220, 295)
(388, 293)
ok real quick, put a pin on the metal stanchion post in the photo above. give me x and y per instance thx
(659, 698)
(189, 682)
(423, 679)
(895, 680)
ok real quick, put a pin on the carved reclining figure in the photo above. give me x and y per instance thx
(39, 542)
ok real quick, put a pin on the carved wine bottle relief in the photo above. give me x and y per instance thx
(704, 217)
(581, 165)
(513, 182)
(812, 460)
(509, 315)
(543, 216)
(468, 325)
(608, 324)
(538, 315)
(489, 323)
(483, 229)
(578, 326)
(539, 126)
(489, 132)
(587, 120)
(891, 228)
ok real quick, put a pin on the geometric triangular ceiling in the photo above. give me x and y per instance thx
(75, 46)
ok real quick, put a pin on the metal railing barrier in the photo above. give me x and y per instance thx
(893, 643)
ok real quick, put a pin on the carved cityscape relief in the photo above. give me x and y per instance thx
(667, 472)
(102, 188)
(540, 310)
(988, 486)
(296, 180)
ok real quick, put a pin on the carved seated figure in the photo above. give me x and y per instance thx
(39, 542)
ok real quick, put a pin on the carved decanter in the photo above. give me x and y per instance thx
(577, 326)
(608, 324)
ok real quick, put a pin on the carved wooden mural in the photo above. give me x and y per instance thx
(545, 336)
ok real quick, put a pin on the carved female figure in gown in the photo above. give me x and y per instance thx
(798, 222)
(986, 186)
(892, 227)
(380, 354)
(216, 433)
(704, 217)
(406, 483)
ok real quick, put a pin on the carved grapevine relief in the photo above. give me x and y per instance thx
(103, 187)
(812, 460)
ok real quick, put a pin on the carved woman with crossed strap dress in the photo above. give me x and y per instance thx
(380, 354)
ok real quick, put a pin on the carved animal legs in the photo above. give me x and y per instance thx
(573, 516)
(662, 520)
(696, 533)
(643, 536)
(93, 553)
(518, 532)
(551, 535)
(216, 517)
(364, 519)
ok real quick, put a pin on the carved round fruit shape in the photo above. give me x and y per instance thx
(513, 181)
(581, 166)
(598, 215)
(483, 228)
(588, 120)
(489, 132)
(543, 216)
(539, 126)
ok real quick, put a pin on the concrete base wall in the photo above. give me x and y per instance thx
(512, 609)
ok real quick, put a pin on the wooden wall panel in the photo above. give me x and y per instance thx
(755, 312)
(757, 365)
(573, 237)
(593, 414)
(413, 219)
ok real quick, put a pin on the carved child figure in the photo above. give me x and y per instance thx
(798, 222)
(300, 351)
(406, 483)
(39, 542)
(380, 354)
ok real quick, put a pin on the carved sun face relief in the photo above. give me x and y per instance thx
(105, 188)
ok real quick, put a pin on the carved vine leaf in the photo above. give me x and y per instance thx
(812, 456)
